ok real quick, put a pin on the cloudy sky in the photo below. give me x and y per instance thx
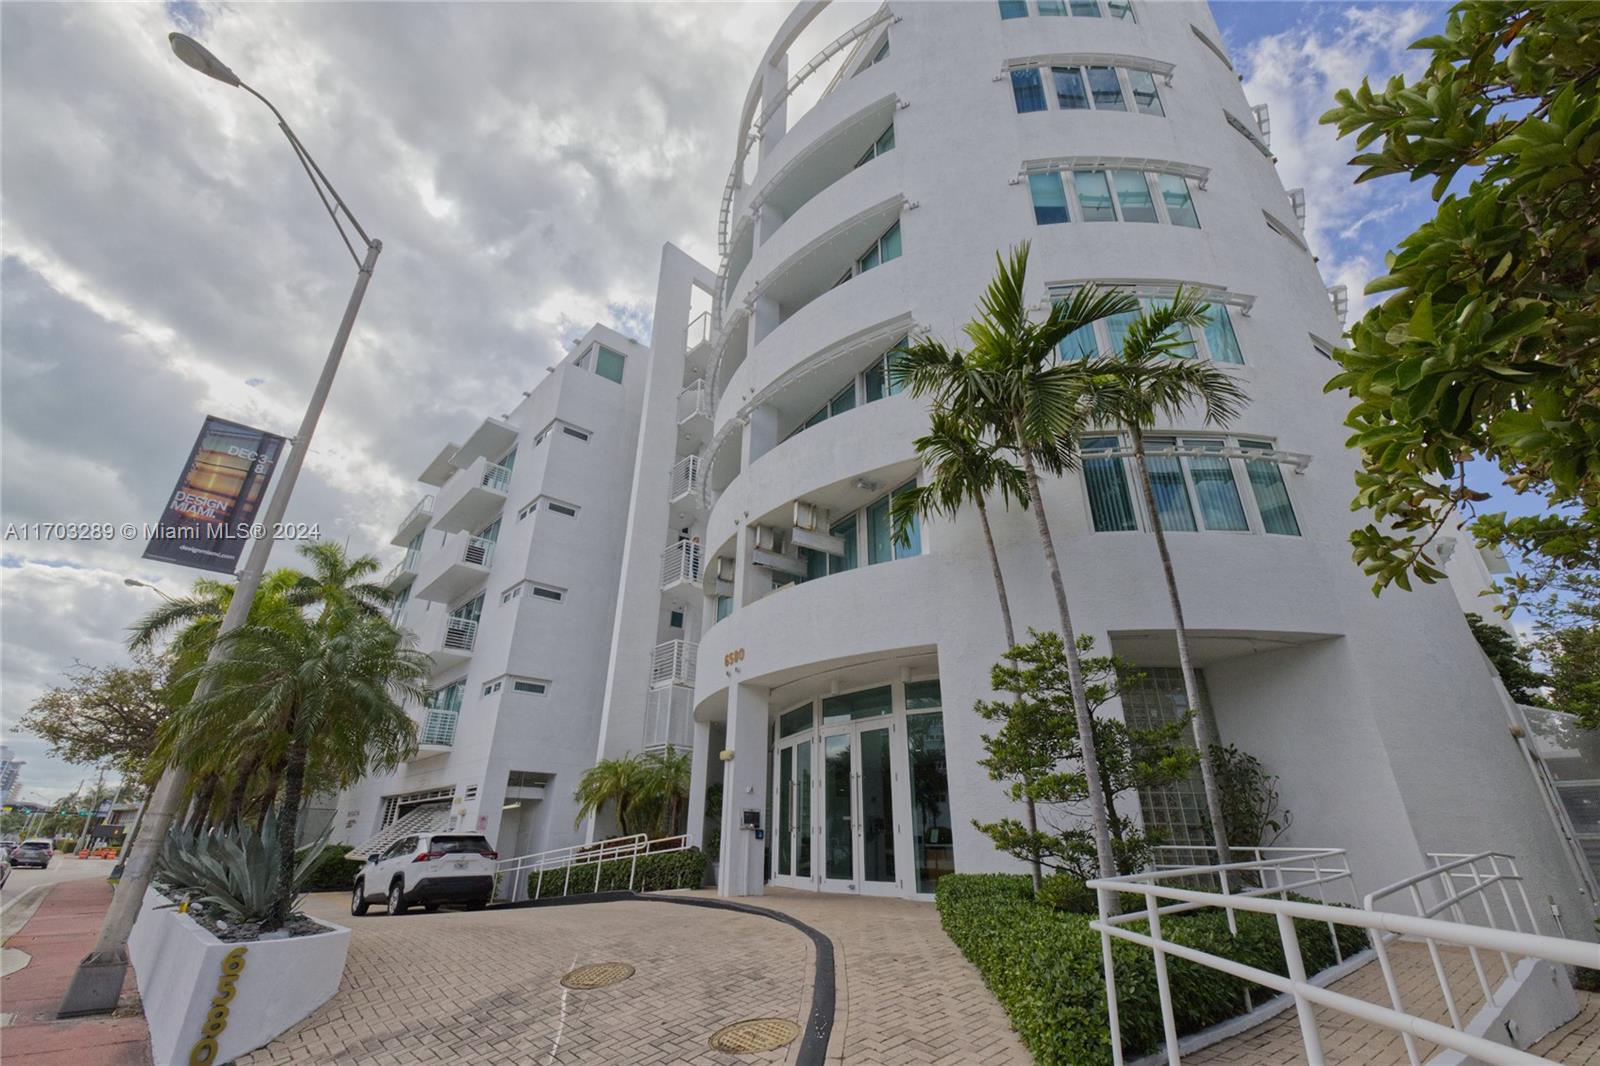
(164, 257)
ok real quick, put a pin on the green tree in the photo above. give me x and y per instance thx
(1489, 342)
(1037, 751)
(105, 714)
(1011, 383)
(619, 782)
(1511, 660)
(1250, 801)
(1156, 377)
(665, 788)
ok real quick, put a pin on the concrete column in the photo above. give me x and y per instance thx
(774, 83)
(699, 775)
(765, 314)
(744, 788)
(760, 435)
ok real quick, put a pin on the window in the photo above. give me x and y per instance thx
(538, 438)
(1283, 230)
(1013, 9)
(1120, 9)
(881, 543)
(609, 364)
(724, 607)
(1133, 196)
(1028, 90)
(1086, 8)
(1106, 88)
(882, 53)
(884, 142)
(491, 688)
(885, 248)
(1070, 93)
(854, 706)
(527, 509)
(561, 508)
(1321, 347)
(510, 594)
(1094, 196)
(1180, 205)
(1106, 480)
(536, 688)
(569, 431)
(447, 698)
(1221, 342)
(1052, 7)
(1145, 96)
(675, 620)
(545, 592)
(877, 381)
(1049, 198)
(799, 720)
(1272, 495)
(508, 460)
(1217, 343)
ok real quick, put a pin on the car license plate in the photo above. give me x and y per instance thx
(461, 864)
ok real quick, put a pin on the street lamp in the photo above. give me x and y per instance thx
(98, 980)
(135, 583)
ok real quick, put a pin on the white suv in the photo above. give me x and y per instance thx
(430, 869)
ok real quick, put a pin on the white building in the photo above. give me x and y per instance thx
(741, 474)
(10, 775)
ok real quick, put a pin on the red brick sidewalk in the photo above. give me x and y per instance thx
(57, 936)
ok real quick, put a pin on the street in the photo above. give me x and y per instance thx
(18, 898)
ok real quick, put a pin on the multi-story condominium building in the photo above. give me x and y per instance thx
(10, 775)
(729, 580)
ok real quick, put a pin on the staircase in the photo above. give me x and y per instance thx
(428, 818)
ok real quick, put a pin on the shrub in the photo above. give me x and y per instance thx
(66, 846)
(233, 871)
(1066, 892)
(1045, 968)
(331, 871)
(653, 873)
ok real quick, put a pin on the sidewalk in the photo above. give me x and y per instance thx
(57, 936)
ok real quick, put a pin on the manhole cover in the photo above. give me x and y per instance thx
(756, 1034)
(598, 975)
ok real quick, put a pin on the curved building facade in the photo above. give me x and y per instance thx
(835, 675)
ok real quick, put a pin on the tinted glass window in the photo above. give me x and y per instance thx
(451, 845)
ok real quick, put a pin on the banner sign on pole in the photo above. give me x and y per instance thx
(208, 519)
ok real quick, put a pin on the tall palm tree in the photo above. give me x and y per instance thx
(1156, 377)
(340, 581)
(1012, 383)
(616, 781)
(960, 467)
(336, 688)
(666, 785)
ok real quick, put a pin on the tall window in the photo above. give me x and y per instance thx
(1111, 196)
(885, 248)
(1106, 88)
(609, 364)
(1094, 196)
(1272, 495)
(1028, 89)
(1120, 9)
(1133, 196)
(1221, 341)
(881, 543)
(1194, 488)
(1013, 9)
(883, 144)
(1180, 205)
(1107, 483)
(1086, 8)
(1052, 7)
(1049, 198)
(1145, 96)
(1155, 697)
(1070, 92)
(724, 607)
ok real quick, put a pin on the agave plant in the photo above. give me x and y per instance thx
(233, 870)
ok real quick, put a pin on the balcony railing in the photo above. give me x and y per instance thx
(672, 663)
(415, 521)
(496, 477)
(680, 564)
(669, 718)
(460, 633)
(478, 550)
(686, 478)
(439, 727)
(698, 333)
(694, 402)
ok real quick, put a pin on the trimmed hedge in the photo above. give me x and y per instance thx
(654, 873)
(332, 872)
(1045, 967)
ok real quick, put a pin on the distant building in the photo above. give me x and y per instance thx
(10, 775)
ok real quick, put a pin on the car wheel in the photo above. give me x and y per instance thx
(397, 899)
(358, 900)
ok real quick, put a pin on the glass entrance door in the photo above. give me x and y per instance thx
(791, 804)
(858, 822)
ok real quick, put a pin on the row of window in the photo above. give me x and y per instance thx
(1217, 342)
(1112, 196)
(1117, 9)
(531, 688)
(885, 248)
(1086, 88)
(549, 505)
(544, 592)
(1194, 489)
(607, 363)
(873, 383)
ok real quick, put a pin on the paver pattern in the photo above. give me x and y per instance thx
(485, 987)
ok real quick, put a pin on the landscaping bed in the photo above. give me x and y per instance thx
(1045, 967)
(653, 873)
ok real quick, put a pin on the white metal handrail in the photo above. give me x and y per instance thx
(1164, 898)
(694, 401)
(423, 506)
(698, 331)
(460, 633)
(672, 663)
(404, 566)
(680, 562)
(495, 477)
(668, 718)
(439, 727)
(685, 477)
(514, 873)
(478, 551)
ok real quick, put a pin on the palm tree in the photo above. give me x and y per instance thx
(339, 581)
(960, 467)
(1156, 377)
(666, 785)
(335, 688)
(619, 781)
(1011, 383)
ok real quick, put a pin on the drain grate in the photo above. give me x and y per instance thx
(598, 975)
(754, 1035)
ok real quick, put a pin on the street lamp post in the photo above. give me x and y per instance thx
(98, 980)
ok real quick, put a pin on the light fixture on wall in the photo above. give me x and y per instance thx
(865, 485)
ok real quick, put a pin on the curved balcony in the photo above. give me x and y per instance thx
(860, 306)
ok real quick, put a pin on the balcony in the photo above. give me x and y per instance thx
(680, 565)
(695, 405)
(413, 523)
(672, 663)
(461, 572)
(455, 643)
(698, 332)
(438, 730)
(404, 573)
(669, 718)
(472, 498)
(687, 479)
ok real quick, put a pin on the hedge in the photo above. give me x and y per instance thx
(654, 873)
(332, 872)
(1045, 967)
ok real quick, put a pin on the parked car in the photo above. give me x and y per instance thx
(37, 852)
(431, 869)
(5, 867)
(9, 847)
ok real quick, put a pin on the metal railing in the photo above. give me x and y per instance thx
(460, 633)
(680, 563)
(545, 868)
(1276, 876)
(694, 401)
(669, 718)
(479, 551)
(423, 506)
(698, 331)
(685, 478)
(672, 663)
(439, 727)
(495, 477)
(408, 565)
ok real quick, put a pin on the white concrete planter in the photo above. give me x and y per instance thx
(191, 982)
